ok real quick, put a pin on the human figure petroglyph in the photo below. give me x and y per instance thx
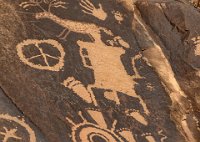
(108, 69)
(12, 133)
(9, 134)
(36, 43)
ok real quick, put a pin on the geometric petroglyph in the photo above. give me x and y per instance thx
(11, 134)
(50, 62)
(89, 132)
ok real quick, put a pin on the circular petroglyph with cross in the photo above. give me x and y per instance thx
(15, 129)
(41, 54)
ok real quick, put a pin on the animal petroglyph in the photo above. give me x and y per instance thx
(75, 26)
(9, 134)
(45, 57)
(89, 132)
(12, 133)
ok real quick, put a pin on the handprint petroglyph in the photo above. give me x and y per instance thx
(90, 9)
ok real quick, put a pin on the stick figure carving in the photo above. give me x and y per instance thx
(12, 133)
(36, 43)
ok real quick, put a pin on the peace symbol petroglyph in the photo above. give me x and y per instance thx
(11, 133)
(36, 43)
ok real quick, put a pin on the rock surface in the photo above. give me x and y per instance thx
(101, 71)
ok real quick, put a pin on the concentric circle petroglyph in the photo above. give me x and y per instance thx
(53, 44)
(11, 119)
(91, 133)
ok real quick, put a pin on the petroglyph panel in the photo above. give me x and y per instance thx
(84, 77)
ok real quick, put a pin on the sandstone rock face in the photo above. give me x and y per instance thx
(99, 71)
